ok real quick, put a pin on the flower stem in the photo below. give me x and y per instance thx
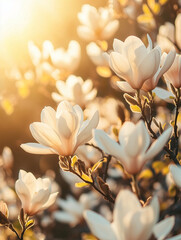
(177, 104)
(172, 155)
(135, 187)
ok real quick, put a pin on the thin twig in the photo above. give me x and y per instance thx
(107, 166)
(172, 155)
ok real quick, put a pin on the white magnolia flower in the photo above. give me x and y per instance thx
(67, 59)
(6, 159)
(133, 149)
(164, 66)
(170, 34)
(133, 62)
(130, 220)
(96, 54)
(35, 194)
(4, 209)
(72, 209)
(96, 24)
(175, 172)
(151, 83)
(62, 131)
(75, 90)
(38, 56)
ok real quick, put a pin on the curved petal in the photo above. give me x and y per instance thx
(163, 228)
(158, 144)
(120, 65)
(45, 135)
(163, 94)
(65, 217)
(99, 226)
(149, 65)
(37, 148)
(169, 59)
(122, 208)
(51, 200)
(86, 134)
(125, 87)
(108, 145)
(48, 116)
(176, 174)
(110, 29)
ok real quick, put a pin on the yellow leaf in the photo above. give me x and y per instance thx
(86, 178)
(87, 236)
(103, 71)
(158, 166)
(74, 159)
(7, 106)
(103, 45)
(165, 170)
(172, 191)
(23, 91)
(135, 108)
(81, 184)
(155, 6)
(146, 10)
(146, 174)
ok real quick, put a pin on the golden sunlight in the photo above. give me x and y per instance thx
(13, 16)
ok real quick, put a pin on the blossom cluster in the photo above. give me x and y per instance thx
(113, 132)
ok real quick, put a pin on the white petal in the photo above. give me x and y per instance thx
(37, 148)
(126, 201)
(125, 87)
(163, 94)
(149, 64)
(86, 134)
(163, 228)
(51, 200)
(176, 174)
(110, 29)
(65, 217)
(48, 116)
(99, 226)
(158, 144)
(108, 145)
(45, 135)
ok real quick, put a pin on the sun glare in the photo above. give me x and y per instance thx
(13, 16)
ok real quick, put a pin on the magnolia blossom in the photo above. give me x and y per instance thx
(38, 56)
(6, 159)
(133, 149)
(133, 62)
(62, 131)
(67, 59)
(130, 220)
(175, 172)
(152, 82)
(35, 194)
(173, 74)
(170, 34)
(96, 54)
(165, 64)
(96, 24)
(4, 209)
(75, 90)
(72, 212)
